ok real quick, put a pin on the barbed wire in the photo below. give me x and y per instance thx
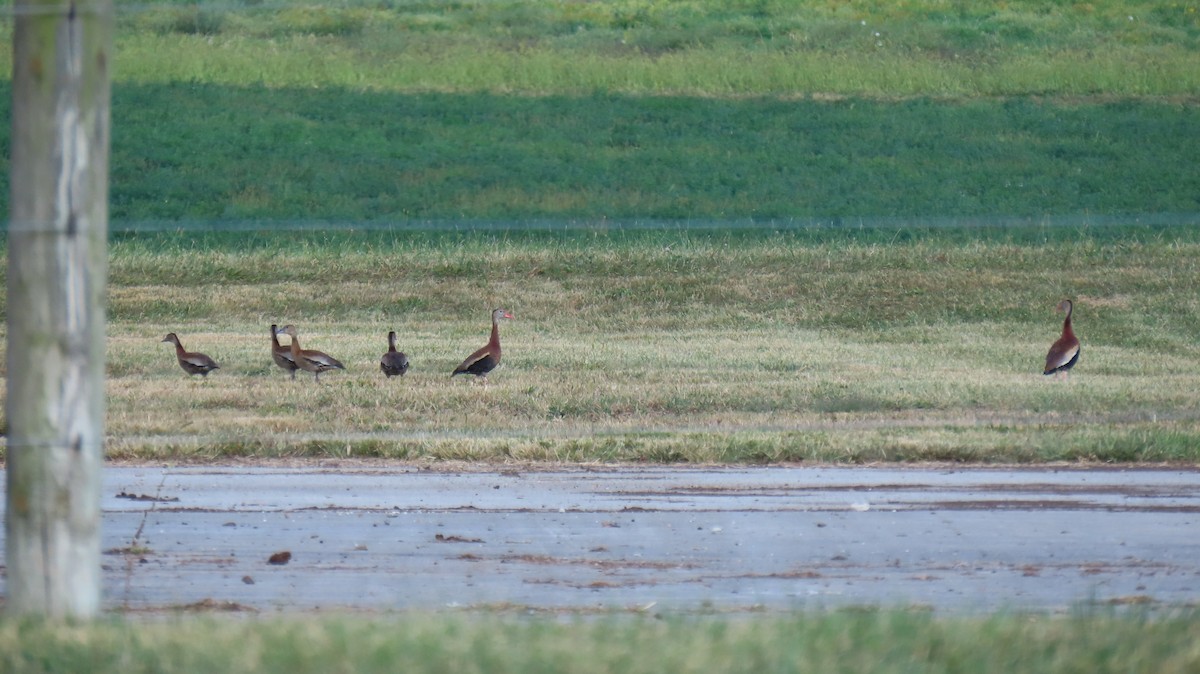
(569, 224)
(828, 223)
(66, 8)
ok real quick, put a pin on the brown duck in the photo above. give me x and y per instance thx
(1064, 352)
(487, 357)
(191, 362)
(310, 360)
(282, 355)
(393, 363)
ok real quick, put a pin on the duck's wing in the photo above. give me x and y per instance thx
(320, 359)
(481, 362)
(1062, 352)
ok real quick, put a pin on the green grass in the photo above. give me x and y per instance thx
(699, 47)
(869, 72)
(337, 156)
(646, 109)
(849, 641)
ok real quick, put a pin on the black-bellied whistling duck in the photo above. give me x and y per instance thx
(282, 355)
(487, 357)
(309, 360)
(191, 362)
(393, 363)
(1064, 353)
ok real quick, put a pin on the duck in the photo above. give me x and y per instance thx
(309, 360)
(282, 355)
(487, 357)
(1064, 352)
(393, 363)
(191, 362)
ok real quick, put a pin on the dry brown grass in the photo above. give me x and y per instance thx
(656, 395)
(678, 350)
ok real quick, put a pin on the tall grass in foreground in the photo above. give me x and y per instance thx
(865, 641)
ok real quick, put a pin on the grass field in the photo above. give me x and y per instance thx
(337, 156)
(744, 231)
(851, 641)
(693, 47)
(646, 109)
(662, 346)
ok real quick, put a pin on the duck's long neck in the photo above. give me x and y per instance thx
(391, 341)
(1067, 321)
(295, 347)
(494, 342)
(275, 338)
(179, 348)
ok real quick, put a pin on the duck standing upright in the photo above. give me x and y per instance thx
(190, 361)
(282, 355)
(1064, 352)
(393, 363)
(310, 360)
(487, 357)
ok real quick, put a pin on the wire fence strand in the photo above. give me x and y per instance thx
(128, 9)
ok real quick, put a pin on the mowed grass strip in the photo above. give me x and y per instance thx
(659, 346)
(870, 71)
(848, 641)
(337, 155)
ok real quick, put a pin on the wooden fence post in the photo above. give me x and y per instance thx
(57, 271)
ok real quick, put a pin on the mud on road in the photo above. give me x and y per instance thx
(663, 539)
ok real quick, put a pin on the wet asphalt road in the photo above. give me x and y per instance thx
(662, 539)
